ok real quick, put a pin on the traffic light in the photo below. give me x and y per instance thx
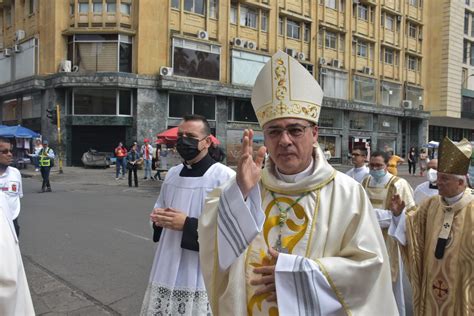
(52, 115)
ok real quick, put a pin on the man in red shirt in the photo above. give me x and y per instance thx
(120, 154)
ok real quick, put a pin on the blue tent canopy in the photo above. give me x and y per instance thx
(17, 132)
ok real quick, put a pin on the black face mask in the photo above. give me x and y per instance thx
(187, 147)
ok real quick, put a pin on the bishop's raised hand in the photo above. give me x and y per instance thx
(249, 169)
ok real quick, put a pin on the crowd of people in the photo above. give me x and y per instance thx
(287, 234)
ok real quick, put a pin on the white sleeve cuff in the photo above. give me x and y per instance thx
(397, 228)
(239, 222)
(384, 217)
(300, 284)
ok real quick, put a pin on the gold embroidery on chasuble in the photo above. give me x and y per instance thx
(295, 235)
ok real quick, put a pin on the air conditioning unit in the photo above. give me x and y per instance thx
(239, 42)
(201, 34)
(301, 56)
(166, 71)
(19, 35)
(65, 66)
(322, 61)
(406, 104)
(323, 71)
(399, 18)
(251, 45)
(336, 63)
(17, 48)
(7, 52)
(291, 51)
(367, 70)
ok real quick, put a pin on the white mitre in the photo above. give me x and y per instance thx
(285, 89)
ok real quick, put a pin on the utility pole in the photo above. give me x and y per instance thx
(60, 150)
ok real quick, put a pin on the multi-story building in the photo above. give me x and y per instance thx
(449, 83)
(127, 69)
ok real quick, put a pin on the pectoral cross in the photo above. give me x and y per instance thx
(278, 246)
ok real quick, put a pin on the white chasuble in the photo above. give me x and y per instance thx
(176, 286)
(333, 260)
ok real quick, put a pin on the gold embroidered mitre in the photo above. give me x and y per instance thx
(285, 89)
(454, 158)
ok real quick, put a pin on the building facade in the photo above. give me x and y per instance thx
(449, 84)
(123, 70)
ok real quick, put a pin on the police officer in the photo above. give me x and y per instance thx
(46, 162)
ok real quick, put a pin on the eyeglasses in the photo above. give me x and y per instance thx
(376, 166)
(356, 155)
(6, 151)
(294, 131)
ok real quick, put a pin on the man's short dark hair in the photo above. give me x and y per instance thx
(5, 140)
(362, 150)
(380, 153)
(197, 117)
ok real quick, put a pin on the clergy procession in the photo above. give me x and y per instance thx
(285, 233)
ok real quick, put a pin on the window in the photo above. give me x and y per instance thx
(83, 7)
(331, 40)
(389, 23)
(320, 37)
(415, 95)
(362, 12)
(362, 49)
(342, 42)
(248, 17)
(213, 8)
(471, 54)
(412, 63)
(472, 25)
(464, 52)
(364, 89)
(264, 18)
(331, 4)
(111, 6)
(233, 14)
(466, 23)
(97, 6)
(468, 2)
(185, 104)
(71, 9)
(101, 53)
(307, 32)
(388, 56)
(195, 59)
(195, 6)
(125, 8)
(391, 94)
(334, 84)
(175, 4)
(102, 102)
(292, 29)
(31, 6)
(280, 26)
(411, 30)
(241, 110)
(309, 68)
(330, 118)
(413, 3)
(246, 66)
(360, 121)
(8, 16)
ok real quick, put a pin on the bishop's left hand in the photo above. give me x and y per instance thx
(267, 279)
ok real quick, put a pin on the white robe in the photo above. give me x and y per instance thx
(423, 192)
(358, 173)
(15, 298)
(176, 286)
(337, 262)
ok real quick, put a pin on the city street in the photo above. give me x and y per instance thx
(87, 245)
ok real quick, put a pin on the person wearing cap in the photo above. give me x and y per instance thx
(147, 155)
(296, 237)
(46, 162)
(436, 238)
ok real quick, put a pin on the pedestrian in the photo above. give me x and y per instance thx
(412, 158)
(436, 238)
(147, 157)
(35, 156)
(327, 154)
(158, 167)
(381, 186)
(15, 297)
(360, 170)
(423, 161)
(10, 182)
(428, 188)
(176, 286)
(393, 161)
(120, 160)
(296, 237)
(46, 162)
(216, 152)
(133, 160)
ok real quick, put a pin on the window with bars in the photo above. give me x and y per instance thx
(248, 17)
(412, 30)
(412, 63)
(293, 29)
(363, 12)
(331, 40)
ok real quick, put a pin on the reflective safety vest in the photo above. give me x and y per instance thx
(44, 159)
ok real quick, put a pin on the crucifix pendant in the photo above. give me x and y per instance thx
(279, 247)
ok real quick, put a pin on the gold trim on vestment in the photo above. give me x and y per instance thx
(339, 296)
(313, 225)
(300, 191)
